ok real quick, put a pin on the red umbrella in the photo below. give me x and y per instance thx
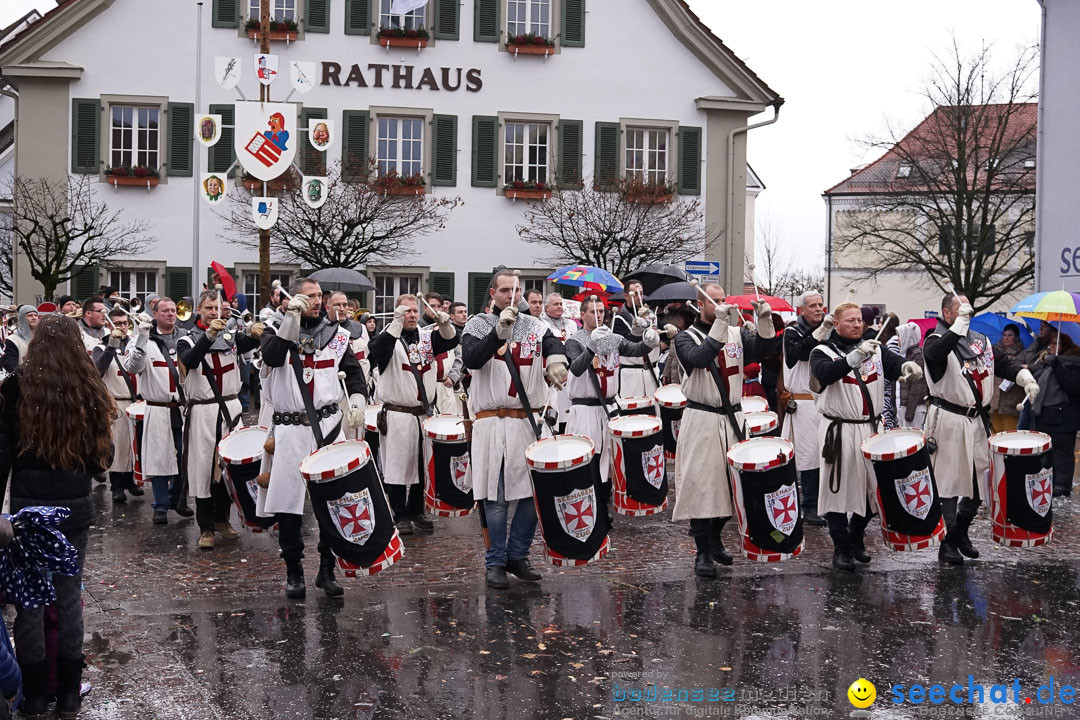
(228, 285)
(743, 302)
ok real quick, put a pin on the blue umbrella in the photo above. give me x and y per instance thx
(38, 550)
(992, 325)
(1068, 328)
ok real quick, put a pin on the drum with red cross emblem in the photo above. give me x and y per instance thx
(640, 481)
(350, 506)
(1021, 489)
(571, 501)
(448, 492)
(136, 413)
(241, 453)
(907, 492)
(766, 498)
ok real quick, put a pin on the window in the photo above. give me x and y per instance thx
(528, 16)
(904, 171)
(138, 283)
(251, 287)
(387, 289)
(410, 21)
(400, 146)
(647, 155)
(526, 153)
(134, 136)
(1029, 164)
(279, 9)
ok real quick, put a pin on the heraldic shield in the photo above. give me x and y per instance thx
(771, 509)
(644, 464)
(265, 138)
(1029, 487)
(907, 494)
(450, 480)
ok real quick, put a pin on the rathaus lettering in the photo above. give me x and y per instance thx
(403, 77)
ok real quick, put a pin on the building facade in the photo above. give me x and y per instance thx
(638, 84)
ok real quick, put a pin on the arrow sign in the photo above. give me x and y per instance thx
(702, 267)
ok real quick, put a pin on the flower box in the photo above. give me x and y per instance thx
(515, 49)
(403, 42)
(647, 198)
(130, 180)
(528, 194)
(275, 35)
(406, 190)
(276, 185)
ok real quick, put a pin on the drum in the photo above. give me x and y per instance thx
(906, 489)
(241, 453)
(448, 492)
(136, 413)
(636, 405)
(640, 480)
(766, 498)
(371, 428)
(570, 500)
(1021, 489)
(754, 403)
(671, 401)
(350, 506)
(760, 422)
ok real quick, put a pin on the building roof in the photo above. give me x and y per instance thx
(753, 180)
(930, 143)
(30, 20)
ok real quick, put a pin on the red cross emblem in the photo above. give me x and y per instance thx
(916, 493)
(784, 510)
(163, 364)
(218, 370)
(917, 496)
(1039, 491)
(517, 359)
(310, 366)
(580, 512)
(352, 520)
(978, 376)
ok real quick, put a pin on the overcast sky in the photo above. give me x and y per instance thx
(843, 66)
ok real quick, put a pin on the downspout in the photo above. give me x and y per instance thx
(728, 225)
(828, 251)
(1039, 144)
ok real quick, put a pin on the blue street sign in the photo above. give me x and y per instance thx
(702, 267)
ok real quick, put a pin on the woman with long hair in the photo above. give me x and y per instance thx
(55, 435)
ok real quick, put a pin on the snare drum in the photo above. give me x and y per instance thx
(760, 422)
(906, 489)
(569, 499)
(766, 498)
(1021, 488)
(671, 401)
(350, 506)
(448, 491)
(640, 482)
(636, 405)
(754, 403)
(136, 413)
(241, 453)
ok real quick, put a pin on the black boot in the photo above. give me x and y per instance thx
(841, 558)
(68, 685)
(523, 569)
(703, 563)
(294, 581)
(35, 703)
(326, 580)
(963, 541)
(119, 497)
(857, 538)
(948, 553)
(716, 543)
(496, 577)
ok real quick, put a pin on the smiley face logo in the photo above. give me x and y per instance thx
(862, 693)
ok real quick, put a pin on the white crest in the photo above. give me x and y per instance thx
(314, 190)
(213, 187)
(266, 67)
(303, 74)
(353, 515)
(227, 71)
(916, 493)
(1039, 488)
(459, 472)
(252, 488)
(265, 211)
(265, 138)
(321, 134)
(652, 464)
(782, 508)
(577, 513)
(208, 129)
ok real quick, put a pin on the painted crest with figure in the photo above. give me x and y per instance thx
(459, 472)
(227, 71)
(313, 190)
(213, 187)
(321, 133)
(266, 67)
(264, 138)
(208, 129)
(916, 493)
(303, 74)
(265, 211)
(782, 508)
(353, 515)
(652, 465)
(1039, 487)
(577, 512)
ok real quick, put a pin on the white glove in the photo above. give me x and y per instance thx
(821, 332)
(446, 328)
(963, 320)
(598, 336)
(640, 325)
(298, 305)
(398, 323)
(866, 348)
(143, 335)
(644, 312)
(1026, 380)
(556, 374)
(719, 329)
(910, 371)
(651, 338)
(507, 318)
(671, 331)
(216, 326)
(116, 338)
(765, 327)
(355, 415)
(965, 310)
(144, 327)
(761, 308)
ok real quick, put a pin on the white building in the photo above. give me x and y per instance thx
(621, 73)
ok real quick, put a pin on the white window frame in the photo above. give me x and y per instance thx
(108, 102)
(279, 10)
(132, 276)
(531, 23)
(400, 282)
(386, 19)
(249, 276)
(647, 156)
(529, 137)
(626, 125)
(426, 115)
(390, 151)
(145, 141)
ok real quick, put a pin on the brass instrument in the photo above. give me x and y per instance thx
(184, 310)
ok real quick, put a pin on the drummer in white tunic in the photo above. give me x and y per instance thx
(712, 353)
(850, 374)
(961, 372)
(562, 327)
(448, 390)
(502, 428)
(304, 337)
(405, 355)
(637, 376)
(337, 309)
(111, 357)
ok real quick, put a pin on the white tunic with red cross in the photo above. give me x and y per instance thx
(205, 426)
(399, 448)
(156, 385)
(592, 420)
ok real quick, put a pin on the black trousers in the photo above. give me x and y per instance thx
(291, 542)
(405, 500)
(214, 509)
(30, 623)
(1064, 459)
(841, 529)
(707, 527)
(121, 480)
(964, 508)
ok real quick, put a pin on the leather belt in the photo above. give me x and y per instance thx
(211, 401)
(170, 404)
(737, 407)
(802, 396)
(518, 413)
(300, 417)
(589, 402)
(417, 410)
(968, 412)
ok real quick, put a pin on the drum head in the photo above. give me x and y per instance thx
(893, 444)
(1020, 442)
(559, 452)
(670, 396)
(759, 423)
(635, 425)
(634, 403)
(137, 409)
(445, 428)
(754, 403)
(760, 453)
(243, 445)
(370, 413)
(334, 461)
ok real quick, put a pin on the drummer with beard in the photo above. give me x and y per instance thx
(850, 374)
(322, 348)
(712, 353)
(405, 355)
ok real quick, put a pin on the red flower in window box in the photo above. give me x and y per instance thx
(279, 29)
(404, 37)
(390, 183)
(138, 176)
(527, 190)
(530, 44)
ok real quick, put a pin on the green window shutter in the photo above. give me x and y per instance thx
(354, 144)
(447, 19)
(444, 150)
(442, 283)
(317, 16)
(312, 162)
(479, 283)
(226, 14)
(485, 136)
(181, 119)
(357, 17)
(221, 156)
(84, 282)
(177, 282)
(689, 160)
(85, 129)
(486, 21)
(569, 170)
(573, 23)
(606, 155)
(989, 236)
(945, 239)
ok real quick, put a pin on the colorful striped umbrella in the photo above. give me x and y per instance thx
(1055, 306)
(586, 277)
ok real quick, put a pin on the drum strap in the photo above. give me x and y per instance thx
(515, 376)
(600, 399)
(420, 389)
(171, 366)
(309, 402)
(127, 378)
(725, 402)
(984, 415)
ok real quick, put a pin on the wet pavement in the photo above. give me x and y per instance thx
(174, 632)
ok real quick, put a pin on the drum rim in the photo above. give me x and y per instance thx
(625, 403)
(340, 471)
(755, 398)
(246, 460)
(1043, 447)
(136, 405)
(669, 403)
(788, 455)
(560, 464)
(375, 427)
(773, 418)
(656, 423)
(887, 456)
(444, 437)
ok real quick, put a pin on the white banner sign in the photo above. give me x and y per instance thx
(321, 134)
(265, 138)
(208, 129)
(265, 211)
(314, 190)
(304, 75)
(227, 71)
(266, 67)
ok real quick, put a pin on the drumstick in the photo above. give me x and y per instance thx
(753, 279)
(690, 304)
(276, 285)
(513, 295)
(596, 314)
(341, 378)
(697, 286)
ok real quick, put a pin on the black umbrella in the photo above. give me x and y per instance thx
(672, 292)
(343, 279)
(656, 275)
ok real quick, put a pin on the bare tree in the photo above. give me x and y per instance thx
(796, 281)
(619, 229)
(360, 222)
(772, 262)
(58, 226)
(954, 199)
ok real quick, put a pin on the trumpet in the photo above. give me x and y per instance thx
(183, 310)
(132, 304)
